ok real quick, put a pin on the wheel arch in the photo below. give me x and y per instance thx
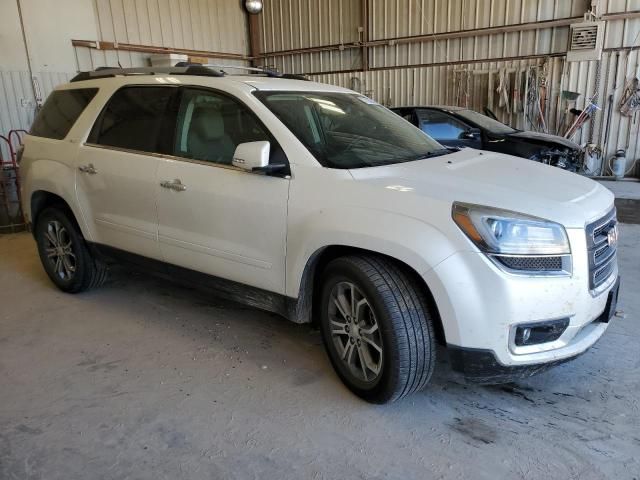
(307, 303)
(42, 199)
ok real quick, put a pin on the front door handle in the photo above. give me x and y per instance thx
(176, 185)
(90, 169)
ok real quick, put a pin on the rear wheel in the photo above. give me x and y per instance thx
(376, 327)
(64, 253)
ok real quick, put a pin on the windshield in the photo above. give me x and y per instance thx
(486, 123)
(344, 130)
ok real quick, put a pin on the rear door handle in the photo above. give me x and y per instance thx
(176, 185)
(90, 169)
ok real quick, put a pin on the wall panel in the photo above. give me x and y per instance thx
(394, 80)
(214, 25)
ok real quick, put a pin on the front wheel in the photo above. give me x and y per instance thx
(376, 327)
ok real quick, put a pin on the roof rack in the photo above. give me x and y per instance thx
(104, 72)
(181, 68)
(265, 71)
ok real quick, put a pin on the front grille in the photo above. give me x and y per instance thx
(602, 273)
(602, 255)
(532, 264)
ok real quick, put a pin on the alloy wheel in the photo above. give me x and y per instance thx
(59, 250)
(355, 332)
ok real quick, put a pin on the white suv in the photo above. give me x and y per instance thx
(317, 203)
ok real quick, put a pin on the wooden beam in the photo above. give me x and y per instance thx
(364, 5)
(131, 47)
(444, 64)
(470, 61)
(255, 43)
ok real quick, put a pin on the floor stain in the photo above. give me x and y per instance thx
(26, 429)
(475, 429)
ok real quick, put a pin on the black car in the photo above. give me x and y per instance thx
(461, 127)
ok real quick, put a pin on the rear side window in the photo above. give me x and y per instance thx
(133, 118)
(60, 112)
(440, 126)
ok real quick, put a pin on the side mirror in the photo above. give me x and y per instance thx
(470, 134)
(252, 156)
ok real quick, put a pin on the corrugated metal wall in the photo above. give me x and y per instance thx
(398, 75)
(398, 18)
(212, 25)
(294, 24)
(17, 105)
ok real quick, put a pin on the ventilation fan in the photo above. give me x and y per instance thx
(585, 41)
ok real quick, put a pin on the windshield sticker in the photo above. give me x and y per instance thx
(367, 100)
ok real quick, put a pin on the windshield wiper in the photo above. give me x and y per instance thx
(424, 156)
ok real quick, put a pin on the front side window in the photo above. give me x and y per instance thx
(486, 123)
(211, 125)
(60, 112)
(133, 118)
(440, 125)
(345, 130)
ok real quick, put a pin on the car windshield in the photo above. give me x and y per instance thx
(486, 123)
(345, 130)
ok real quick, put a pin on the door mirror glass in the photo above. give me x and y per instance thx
(252, 156)
(470, 134)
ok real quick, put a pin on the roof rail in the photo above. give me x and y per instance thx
(265, 71)
(104, 72)
(181, 68)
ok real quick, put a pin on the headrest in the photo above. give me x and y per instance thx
(207, 122)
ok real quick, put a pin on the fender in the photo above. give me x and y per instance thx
(40, 172)
(407, 239)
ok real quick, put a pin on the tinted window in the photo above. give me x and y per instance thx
(210, 126)
(60, 112)
(440, 125)
(344, 130)
(132, 119)
(486, 123)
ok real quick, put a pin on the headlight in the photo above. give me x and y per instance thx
(518, 242)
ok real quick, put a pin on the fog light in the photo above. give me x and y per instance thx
(540, 332)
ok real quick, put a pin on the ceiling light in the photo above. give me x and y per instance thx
(253, 6)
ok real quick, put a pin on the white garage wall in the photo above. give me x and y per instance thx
(50, 25)
(401, 74)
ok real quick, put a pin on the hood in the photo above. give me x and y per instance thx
(490, 179)
(537, 137)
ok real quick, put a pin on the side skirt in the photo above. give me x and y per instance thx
(222, 288)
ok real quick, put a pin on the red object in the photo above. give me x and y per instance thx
(16, 134)
(9, 175)
(11, 161)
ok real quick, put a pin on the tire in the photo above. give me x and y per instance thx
(64, 253)
(395, 302)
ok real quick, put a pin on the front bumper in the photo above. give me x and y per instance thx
(480, 305)
(482, 366)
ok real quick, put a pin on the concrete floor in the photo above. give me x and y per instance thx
(145, 379)
(628, 189)
(627, 195)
